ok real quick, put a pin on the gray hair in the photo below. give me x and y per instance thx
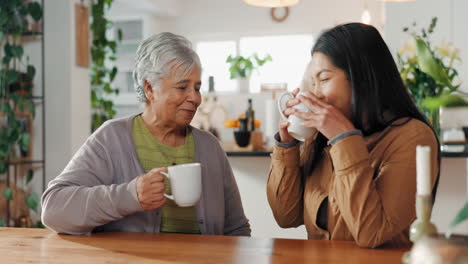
(160, 55)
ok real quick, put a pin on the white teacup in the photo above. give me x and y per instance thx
(186, 183)
(295, 128)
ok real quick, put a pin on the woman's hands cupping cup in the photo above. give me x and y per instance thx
(325, 117)
(293, 127)
(305, 113)
(284, 123)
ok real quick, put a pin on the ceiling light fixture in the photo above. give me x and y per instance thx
(272, 3)
(398, 0)
(366, 17)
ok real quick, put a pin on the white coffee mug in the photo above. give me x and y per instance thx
(186, 183)
(295, 128)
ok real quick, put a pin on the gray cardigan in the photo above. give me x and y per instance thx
(97, 189)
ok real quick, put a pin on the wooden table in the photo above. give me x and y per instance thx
(18, 245)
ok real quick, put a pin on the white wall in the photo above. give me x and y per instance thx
(122, 10)
(67, 88)
(155, 7)
(452, 194)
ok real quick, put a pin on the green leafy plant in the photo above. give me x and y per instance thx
(461, 216)
(445, 100)
(429, 71)
(8, 194)
(103, 51)
(242, 67)
(16, 76)
(16, 85)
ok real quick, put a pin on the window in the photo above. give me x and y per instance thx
(132, 30)
(125, 61)
(126, 50)
(290, 54)
(213, 56)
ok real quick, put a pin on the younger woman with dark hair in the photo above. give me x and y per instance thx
(356, 178)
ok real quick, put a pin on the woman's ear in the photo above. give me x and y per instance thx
(149, 93)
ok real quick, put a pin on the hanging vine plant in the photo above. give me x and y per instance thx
(103, 52)
(16, 87)
(16, 77)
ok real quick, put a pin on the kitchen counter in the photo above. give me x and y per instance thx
(248, 153)
(232, 150)
(449, 154)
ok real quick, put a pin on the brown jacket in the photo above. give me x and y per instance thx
(370, 183)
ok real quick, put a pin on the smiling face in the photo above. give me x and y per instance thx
(330, 84)
(177, 99)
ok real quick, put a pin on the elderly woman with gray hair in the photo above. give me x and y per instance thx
(113, 183)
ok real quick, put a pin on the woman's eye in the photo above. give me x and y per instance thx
(324, 80)
(197, 89)
(182, 88)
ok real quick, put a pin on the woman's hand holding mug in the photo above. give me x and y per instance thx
(150, 189)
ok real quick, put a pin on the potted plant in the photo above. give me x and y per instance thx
(429, 72)
(242, 68)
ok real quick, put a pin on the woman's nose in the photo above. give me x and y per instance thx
(318, 92)
(194, 96)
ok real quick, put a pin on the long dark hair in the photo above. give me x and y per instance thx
(359, 50)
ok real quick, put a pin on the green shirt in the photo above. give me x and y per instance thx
(154, 154)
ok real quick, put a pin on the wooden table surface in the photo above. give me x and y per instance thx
(21, 245)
